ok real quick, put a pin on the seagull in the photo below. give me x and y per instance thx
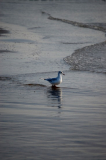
(57, 80)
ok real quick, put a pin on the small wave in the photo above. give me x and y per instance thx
(90, 58)
(5, 78)
(79, 24)
(6, 51)
(34, 28)
(95, 26)
(18, 40)
(75, 42)
(35, 85)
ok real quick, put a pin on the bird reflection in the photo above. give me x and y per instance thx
(54, 95)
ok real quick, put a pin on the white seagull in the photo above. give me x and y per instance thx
(57, 80)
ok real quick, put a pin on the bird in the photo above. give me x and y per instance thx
(57, 80)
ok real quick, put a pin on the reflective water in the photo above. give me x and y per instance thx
(54, 123)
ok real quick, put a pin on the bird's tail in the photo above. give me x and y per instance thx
(43, 78)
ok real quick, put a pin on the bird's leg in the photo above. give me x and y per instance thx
(54, 86)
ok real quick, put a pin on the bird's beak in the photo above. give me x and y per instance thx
(63, 74)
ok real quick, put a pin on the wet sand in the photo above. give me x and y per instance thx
(36, 120)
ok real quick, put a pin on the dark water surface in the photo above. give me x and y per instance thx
(38, 122)
(41, 122)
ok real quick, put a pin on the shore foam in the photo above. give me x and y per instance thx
(90, 58)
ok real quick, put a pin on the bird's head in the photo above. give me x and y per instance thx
(60, 72)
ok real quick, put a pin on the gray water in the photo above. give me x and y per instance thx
(36, 120)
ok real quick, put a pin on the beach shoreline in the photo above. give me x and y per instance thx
(83, 62)
(69, 59)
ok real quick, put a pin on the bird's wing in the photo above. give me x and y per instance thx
(51, 79)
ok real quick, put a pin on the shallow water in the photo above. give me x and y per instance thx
(36, 120)
(53, 123)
